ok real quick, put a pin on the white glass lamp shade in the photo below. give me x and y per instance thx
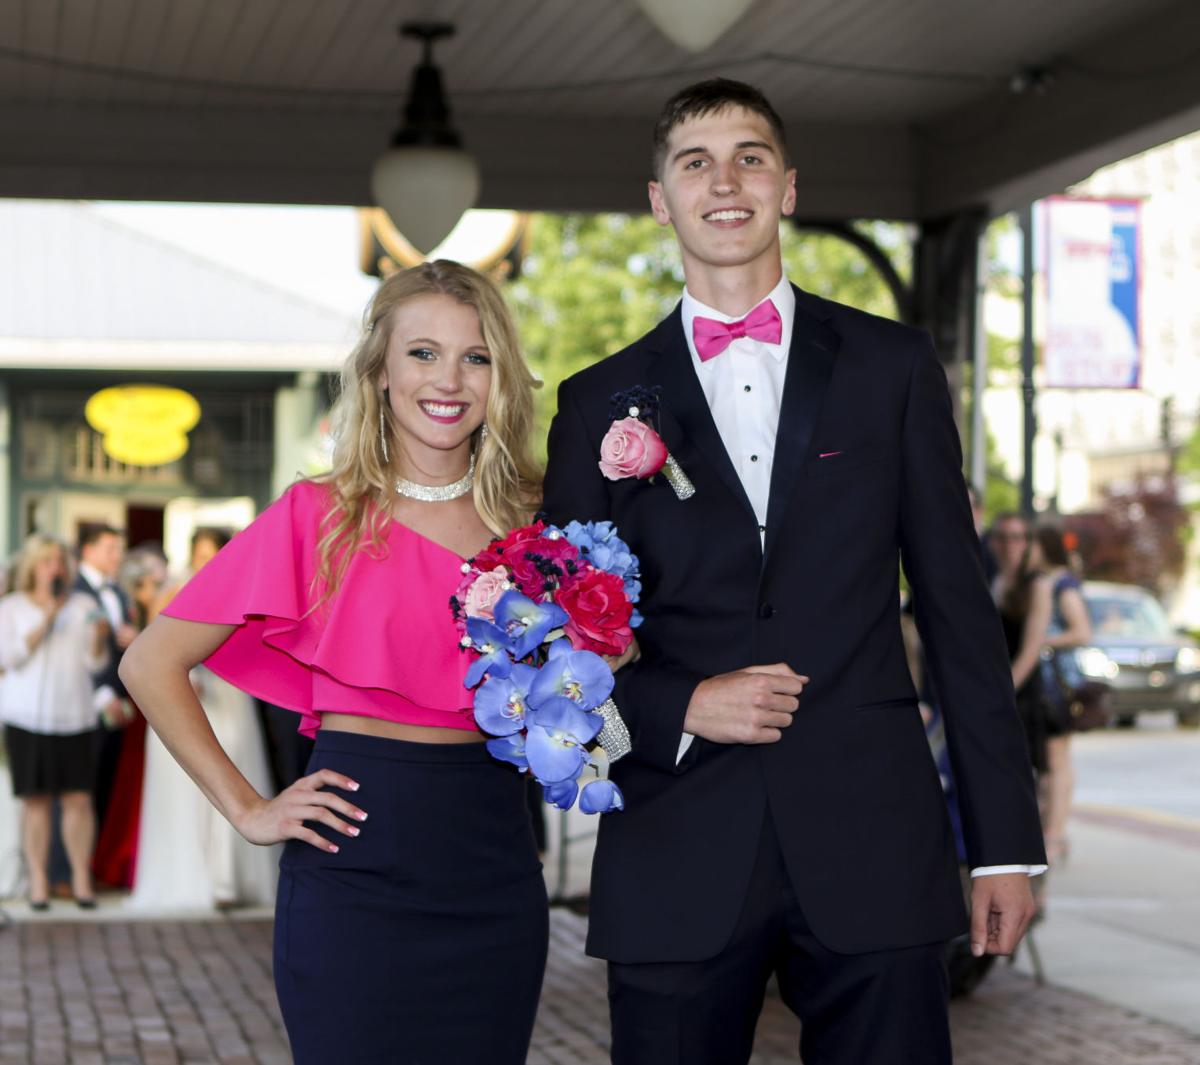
(694, 24)
(425, 191)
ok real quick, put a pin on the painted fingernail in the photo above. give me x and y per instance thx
(352, 785)
(333, 848)
(361, 815)
(352, 830)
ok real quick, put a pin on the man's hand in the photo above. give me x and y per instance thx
(753, 705)
(1001, 908)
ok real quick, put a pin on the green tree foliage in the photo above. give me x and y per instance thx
(592, 284)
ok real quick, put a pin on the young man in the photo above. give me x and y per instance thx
(783, 813)
(101, 548)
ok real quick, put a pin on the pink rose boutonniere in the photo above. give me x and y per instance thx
(633, 448)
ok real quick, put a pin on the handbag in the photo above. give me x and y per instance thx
(1087, 704)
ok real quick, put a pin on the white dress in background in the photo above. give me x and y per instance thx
(189, 857)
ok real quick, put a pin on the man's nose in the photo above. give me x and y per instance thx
(724, 179)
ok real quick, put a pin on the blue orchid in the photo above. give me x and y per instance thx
(510, 749)
(526, 623)
(601, 797)
(558, 714)
(580, 676)
(500, 702)
(493, 646)
(561, 794)
(554, 755)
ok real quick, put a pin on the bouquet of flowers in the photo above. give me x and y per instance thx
(539, 608)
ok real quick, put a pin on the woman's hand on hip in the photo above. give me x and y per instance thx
(283, 817)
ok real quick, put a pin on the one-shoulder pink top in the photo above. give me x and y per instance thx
(383, 646)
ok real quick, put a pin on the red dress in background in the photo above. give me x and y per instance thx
(115, 858)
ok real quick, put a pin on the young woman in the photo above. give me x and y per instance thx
(1023, 598)
(1070, 627)
(51, 641)
(420, 934)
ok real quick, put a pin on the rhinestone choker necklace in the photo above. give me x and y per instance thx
(438, 493)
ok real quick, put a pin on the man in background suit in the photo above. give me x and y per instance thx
(100, 551)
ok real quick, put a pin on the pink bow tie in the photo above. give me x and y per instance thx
(713, 337)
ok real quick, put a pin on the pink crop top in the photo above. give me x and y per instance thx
(384, 646)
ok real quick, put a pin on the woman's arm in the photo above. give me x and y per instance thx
(1033, 636)
(1078, 632)
(155, 671)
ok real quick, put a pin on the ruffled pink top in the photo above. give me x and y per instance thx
(383, 646)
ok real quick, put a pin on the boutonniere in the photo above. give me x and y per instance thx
(632, 446)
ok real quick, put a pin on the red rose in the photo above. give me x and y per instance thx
(514, 551)
(598, 612)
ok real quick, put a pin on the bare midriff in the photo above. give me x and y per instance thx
(394, 730)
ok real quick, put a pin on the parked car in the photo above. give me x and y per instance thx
(1134, 649)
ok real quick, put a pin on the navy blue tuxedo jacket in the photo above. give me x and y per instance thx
(851, 787)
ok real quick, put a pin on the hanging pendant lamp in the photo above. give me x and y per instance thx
(425, 181)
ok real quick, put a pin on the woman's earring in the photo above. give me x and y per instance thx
(383, 435)
(483, 432)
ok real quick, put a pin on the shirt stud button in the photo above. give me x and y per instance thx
(745, 388)
(766, 611)
(753, 458)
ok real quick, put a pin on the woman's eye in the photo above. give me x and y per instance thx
(424, 354)
(478, 359)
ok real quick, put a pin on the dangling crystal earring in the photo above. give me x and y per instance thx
(383, 435)
(483, 432)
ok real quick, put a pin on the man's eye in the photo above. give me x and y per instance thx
(695, 164)
(751, 159)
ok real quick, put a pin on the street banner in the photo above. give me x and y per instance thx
(1093, 334)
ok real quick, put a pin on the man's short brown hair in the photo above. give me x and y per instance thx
(706, 98)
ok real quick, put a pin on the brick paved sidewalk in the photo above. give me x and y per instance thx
(161, 993)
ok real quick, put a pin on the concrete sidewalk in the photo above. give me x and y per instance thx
(172, 992)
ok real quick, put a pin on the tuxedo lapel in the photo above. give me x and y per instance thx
(809, 368)
(686, 418)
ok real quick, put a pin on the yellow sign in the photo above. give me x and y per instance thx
(143, 425)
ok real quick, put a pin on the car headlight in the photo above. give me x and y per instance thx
(1094, 663)
(1187, 660)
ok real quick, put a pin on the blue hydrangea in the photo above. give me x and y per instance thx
(599, 543)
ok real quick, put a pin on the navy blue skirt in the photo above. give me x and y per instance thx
(423, 941)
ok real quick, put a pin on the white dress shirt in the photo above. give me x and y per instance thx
(744, 389)
(48, 690)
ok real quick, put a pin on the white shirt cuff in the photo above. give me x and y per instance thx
(997, 870)
(685, 741)
(103, 695)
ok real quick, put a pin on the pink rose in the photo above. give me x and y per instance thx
(484, 591)
(631, 448)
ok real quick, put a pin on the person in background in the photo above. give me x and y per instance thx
(100, 550)
(51, 640)
(1070, 627)
(1022, 596)
(142, 575)
(189, 856)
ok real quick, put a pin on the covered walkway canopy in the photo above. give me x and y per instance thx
(939, 111)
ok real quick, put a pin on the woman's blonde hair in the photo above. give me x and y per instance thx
(36, 547)
(507, 480)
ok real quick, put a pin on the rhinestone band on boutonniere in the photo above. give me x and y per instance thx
(632, 446)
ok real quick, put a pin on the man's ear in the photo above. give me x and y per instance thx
(789, 192)
(658, 206)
